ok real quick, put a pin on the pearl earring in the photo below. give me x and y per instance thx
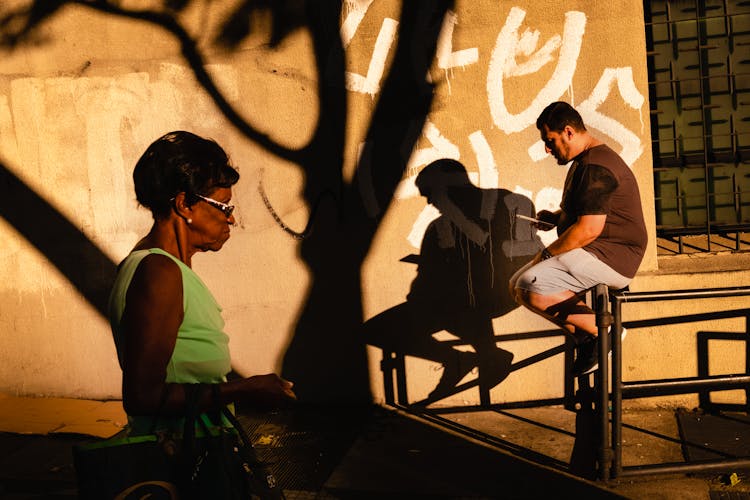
(190, 221)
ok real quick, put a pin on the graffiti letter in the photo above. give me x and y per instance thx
(489, 177)
(631, 143)
(503, 63)
(446, 58)
(357, 10)
(369, 84)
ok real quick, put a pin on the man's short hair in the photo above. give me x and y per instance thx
(558, 115)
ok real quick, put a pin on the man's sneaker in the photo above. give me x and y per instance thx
(587, 358)
(587, 354)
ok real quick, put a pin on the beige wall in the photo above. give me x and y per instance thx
(77, 111)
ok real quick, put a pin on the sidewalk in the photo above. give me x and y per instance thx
(379, 453)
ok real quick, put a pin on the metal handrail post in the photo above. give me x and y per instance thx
(616, 386)
(747, 361)
(603, 322)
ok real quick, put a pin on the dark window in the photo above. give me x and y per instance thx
(699, 92)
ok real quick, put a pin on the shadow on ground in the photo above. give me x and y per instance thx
(328, 453)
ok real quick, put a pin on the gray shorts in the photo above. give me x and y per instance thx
(576, 270)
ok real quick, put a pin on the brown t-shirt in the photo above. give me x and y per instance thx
(599, 182)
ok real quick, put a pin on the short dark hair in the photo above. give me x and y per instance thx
(558, 115)
(180, 162)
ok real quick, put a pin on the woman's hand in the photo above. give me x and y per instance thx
(265, 391)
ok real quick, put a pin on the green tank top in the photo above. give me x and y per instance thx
(201, 353)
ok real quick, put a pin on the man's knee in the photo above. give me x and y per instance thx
(514, 292)
(568, 307)
(519, 295)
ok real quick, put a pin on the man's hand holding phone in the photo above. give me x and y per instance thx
(538, 223)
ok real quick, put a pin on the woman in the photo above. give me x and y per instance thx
(167, 326)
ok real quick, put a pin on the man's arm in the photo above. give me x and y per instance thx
(595, 190)
(582, 232)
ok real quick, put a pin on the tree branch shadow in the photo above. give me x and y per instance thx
(81, 261)
(326, 358)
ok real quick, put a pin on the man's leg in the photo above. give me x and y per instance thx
(566, 309)
(574, 316)
(555, 288)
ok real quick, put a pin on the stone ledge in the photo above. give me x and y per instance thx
(703, 263)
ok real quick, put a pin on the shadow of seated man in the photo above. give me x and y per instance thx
(467, 255)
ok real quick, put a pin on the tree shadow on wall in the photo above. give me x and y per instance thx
(87, 268)
(326, 358)
(467, 256)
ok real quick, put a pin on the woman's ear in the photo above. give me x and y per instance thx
(181, 206)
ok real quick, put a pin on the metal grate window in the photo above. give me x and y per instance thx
(699, 91)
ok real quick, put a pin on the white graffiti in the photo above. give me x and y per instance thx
(486, 178)
(489, 177)
(517, 52)
(446, 57)
(547, 198)
(503, 64)
(369, 83)
(441, 147)
(355, 13)
(631, 143)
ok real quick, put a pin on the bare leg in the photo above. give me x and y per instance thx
(565, 309)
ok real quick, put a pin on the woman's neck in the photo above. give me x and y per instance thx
(171, 236)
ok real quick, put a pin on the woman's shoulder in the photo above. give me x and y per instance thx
(137, 255)
(158, 260)
(154, 262)
(155, 275)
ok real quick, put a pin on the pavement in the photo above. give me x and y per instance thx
(380, 452)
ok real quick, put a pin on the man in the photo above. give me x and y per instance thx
(601, 233)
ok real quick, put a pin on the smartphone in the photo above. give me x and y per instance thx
(537, 221)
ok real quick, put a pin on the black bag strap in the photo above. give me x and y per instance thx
(192, 401)
(263, 483)
(220, 410)
(162, 403)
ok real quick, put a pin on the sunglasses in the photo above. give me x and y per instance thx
(226, 209)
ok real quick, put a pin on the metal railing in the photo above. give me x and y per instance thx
(610, 451)
(604, 407)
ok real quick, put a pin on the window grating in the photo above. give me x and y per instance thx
(698, 56)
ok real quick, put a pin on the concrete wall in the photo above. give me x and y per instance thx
(78, 109)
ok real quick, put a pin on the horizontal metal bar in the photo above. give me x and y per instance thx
(686, 385)
(696, 293)
(694, 19)
(686, 318)
(714, 335)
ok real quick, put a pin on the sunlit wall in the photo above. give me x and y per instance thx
(80, 104)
